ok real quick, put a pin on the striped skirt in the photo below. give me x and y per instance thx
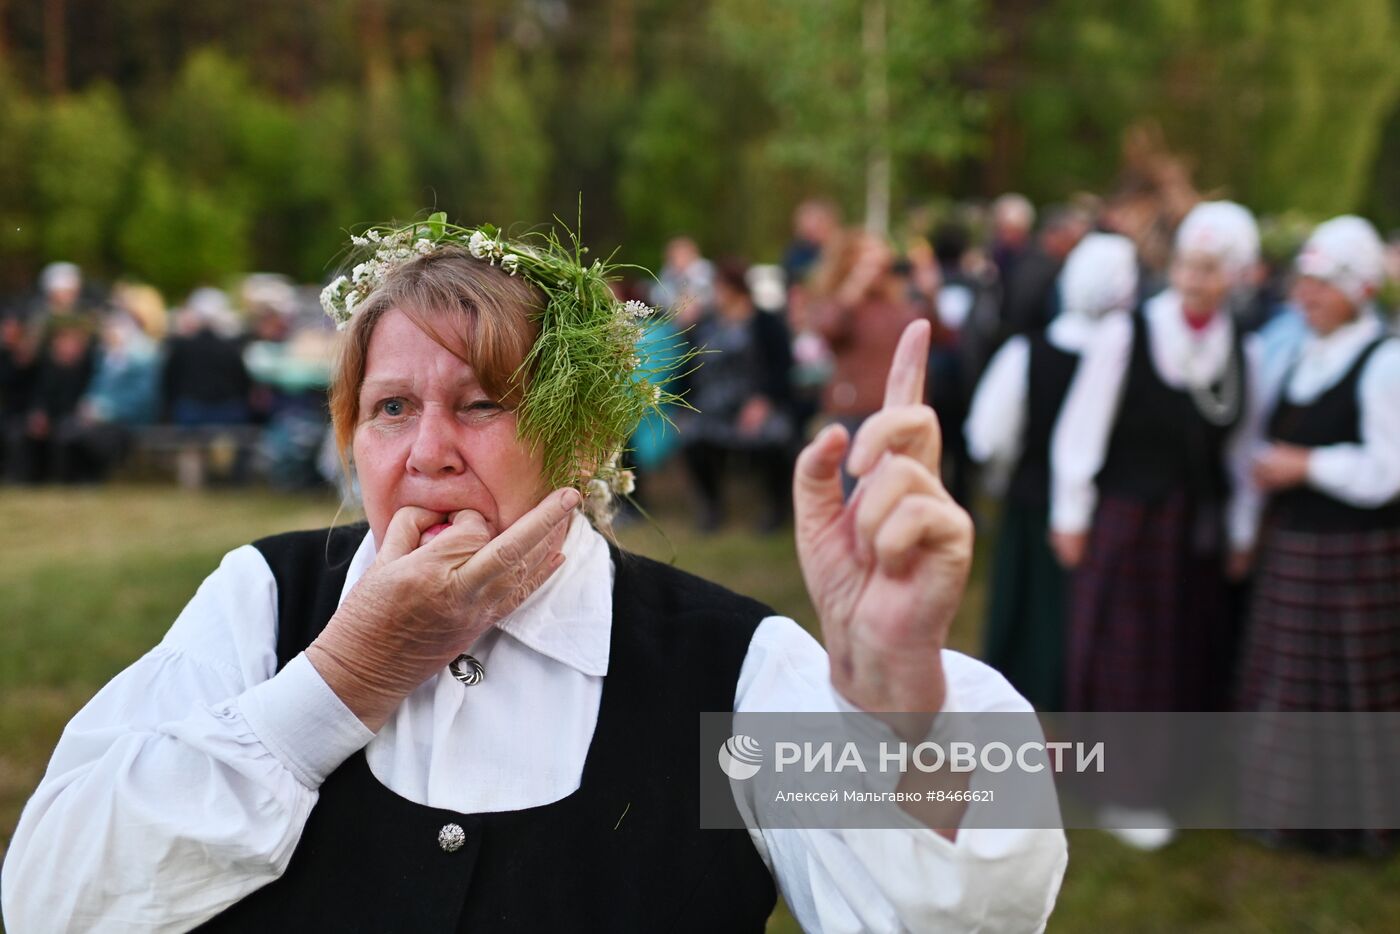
(1323, 635)
(1324, 624)
(1151, 625)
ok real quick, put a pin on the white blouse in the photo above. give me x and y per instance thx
(996, 420)
(1367, 473)
(1182, 357)
(184, 784)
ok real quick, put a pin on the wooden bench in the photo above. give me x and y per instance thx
(195, 452)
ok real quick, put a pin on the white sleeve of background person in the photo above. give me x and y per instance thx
(890, 879)
(1079, 442)
(185, 783)
(1367, 474)
(1244, 444)
(997, 417)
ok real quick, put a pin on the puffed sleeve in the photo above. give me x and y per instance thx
(184, 784)
(1246, 500)
(1367, 474)
(911, 879)
(1079, 443)
(997, 417)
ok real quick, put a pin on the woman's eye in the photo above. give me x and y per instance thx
(392, 407)
(484, 406)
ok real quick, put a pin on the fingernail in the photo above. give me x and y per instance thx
(570, 500)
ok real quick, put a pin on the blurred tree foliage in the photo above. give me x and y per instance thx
(1278, 103)
(185, 142)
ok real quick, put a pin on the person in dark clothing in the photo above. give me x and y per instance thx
(744, 398)
(1013, 219)
(1324, 625)
(205, 381)
(1030, 301)
(1151, 504)
(18, 369)
(64, 371)
(1012, 417)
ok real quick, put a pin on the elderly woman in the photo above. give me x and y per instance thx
(1324, 625)
(1013, 413)
(1150, 497)
(476, 712)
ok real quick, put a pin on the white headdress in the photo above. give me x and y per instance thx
(1100, 275)
(1222, 229)
(1346, 252)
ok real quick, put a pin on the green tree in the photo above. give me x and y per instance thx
(866, 93)
(1279, 104)
(19, 121)
(513, 152)
(179, 234)
(83, 152)
(671, 175)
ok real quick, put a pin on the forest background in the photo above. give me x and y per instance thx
(182, 143)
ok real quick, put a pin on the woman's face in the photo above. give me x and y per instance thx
(1324, 305)
(1201, 280)
(430, 436)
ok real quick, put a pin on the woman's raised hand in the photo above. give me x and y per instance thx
(420, 605)
(885, 570)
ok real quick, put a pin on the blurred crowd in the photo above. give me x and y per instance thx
(87, 376)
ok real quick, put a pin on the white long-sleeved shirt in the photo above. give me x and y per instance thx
(996, 421)
(184, 784)
(1182, 357)
(1365, 474)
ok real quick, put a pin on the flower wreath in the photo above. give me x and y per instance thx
(589, 388)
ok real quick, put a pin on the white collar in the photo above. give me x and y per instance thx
(569, 619)
(1072, 330)
(1345, 342)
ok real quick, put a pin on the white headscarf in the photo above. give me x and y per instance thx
(1346, 252)
(60, 276)
(1100, 275)
(1222, 229)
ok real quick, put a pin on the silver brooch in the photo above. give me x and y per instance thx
(467, 670)
(451, 837)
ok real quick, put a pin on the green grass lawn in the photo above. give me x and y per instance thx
(90, 579)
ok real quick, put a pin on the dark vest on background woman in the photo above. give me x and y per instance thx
(622, 853)
(1334, 417)
(1049, 373)
(1161, 442)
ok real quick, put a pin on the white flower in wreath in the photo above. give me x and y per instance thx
(479, 245)
(510, 263)
(329, 295)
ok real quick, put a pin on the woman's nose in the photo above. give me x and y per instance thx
(436, 449)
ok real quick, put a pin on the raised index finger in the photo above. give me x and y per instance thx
(905, 384)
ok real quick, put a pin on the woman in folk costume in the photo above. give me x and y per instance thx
(1013, 412)
(475, 712)
(1148, 494)
(1324, 627)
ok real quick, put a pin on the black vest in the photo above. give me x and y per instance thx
(623, 852)
(1334, 417)
(1048, 376)
(1160, 441)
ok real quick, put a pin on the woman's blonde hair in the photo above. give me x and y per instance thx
(474, 310)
